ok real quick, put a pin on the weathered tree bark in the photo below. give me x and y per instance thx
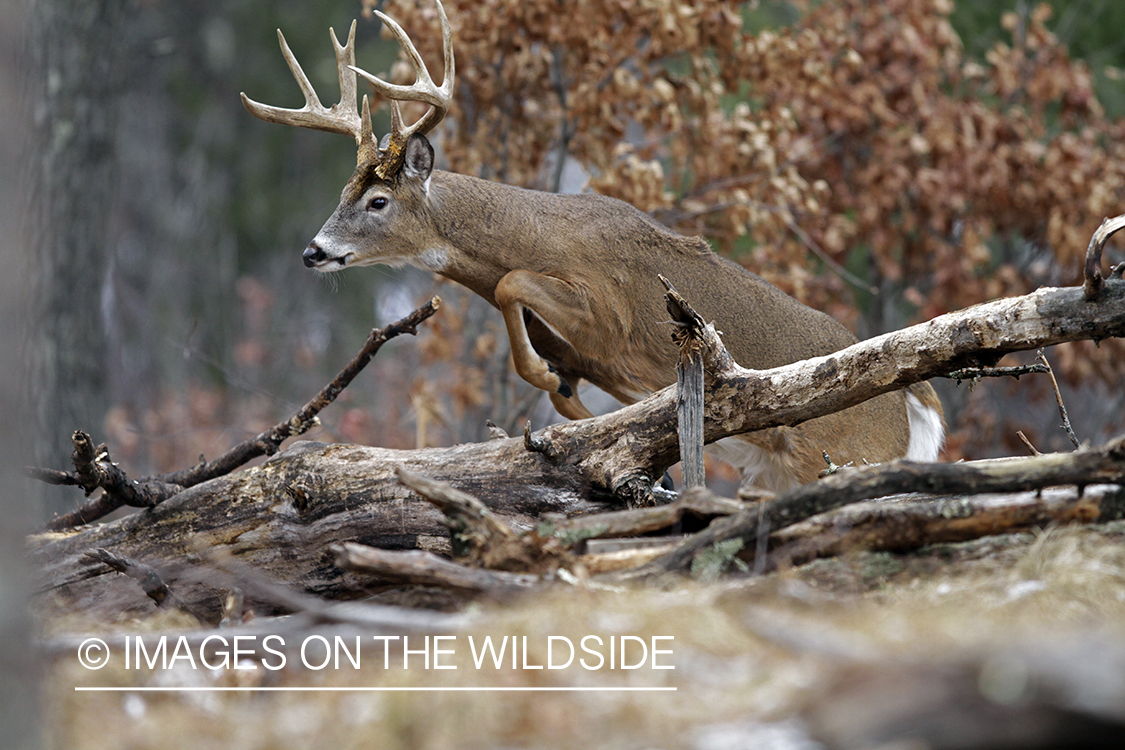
(282, 516)
(689, 385)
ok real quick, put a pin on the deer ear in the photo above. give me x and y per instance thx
(418, 161)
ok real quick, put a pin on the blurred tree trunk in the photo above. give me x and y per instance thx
(76, 65)
(18, 672)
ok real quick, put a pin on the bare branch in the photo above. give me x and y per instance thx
(151, 491)
(976, 373)
(1025, 441)
(909, 524)
(268, 442)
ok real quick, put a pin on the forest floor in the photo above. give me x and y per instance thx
(957, 645)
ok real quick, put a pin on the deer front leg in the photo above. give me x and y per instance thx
(562, 309)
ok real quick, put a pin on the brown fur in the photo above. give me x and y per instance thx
(576, 277)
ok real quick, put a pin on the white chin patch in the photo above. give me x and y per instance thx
(393, 262)
(332, 265)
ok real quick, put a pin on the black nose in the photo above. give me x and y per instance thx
(313, 255)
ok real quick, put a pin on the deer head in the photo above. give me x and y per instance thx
(388, 173)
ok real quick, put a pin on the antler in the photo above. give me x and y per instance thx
(343, 117)
(423, 90)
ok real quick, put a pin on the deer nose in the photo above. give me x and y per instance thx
(313, 255)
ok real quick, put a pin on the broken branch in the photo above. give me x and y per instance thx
(427, 569)
(268, 442)
(689, 384)
(976, 373)
(902, 525)
(1082, 468)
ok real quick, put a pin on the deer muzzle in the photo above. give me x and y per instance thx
(313, 256)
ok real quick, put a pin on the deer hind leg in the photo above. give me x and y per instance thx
(780, 458)
(562, 309)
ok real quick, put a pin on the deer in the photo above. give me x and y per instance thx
(576, 278)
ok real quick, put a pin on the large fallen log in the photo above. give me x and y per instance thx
(283, 516)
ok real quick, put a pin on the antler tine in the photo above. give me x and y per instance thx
(342, 117)
(424, 89)
(345, 58)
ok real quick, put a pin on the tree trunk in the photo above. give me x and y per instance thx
(77, 80)
(19, 672)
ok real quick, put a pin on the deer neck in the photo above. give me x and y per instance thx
(486, 229)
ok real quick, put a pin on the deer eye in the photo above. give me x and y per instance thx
(377, 204)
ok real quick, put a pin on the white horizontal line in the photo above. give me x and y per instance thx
(224, 689)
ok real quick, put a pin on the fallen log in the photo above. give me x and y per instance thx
(282, 517)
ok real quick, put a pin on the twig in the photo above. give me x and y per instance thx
(573, 532)
(494, 432)
(147, 577)
(670, 217)
(831, 262)
(52, 476)
(1032, 448)
(1058, 398)
(268, 442)
(535, 443)
(1093, 282)
(151, 491)
(976, 373)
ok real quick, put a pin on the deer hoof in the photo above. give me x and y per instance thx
(563, 388)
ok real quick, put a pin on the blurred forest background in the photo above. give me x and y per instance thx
(886, 162)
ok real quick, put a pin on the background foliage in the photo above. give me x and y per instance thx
(886, 162)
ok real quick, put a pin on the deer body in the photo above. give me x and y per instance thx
(576, 278)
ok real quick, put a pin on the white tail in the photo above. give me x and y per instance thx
(576, 279)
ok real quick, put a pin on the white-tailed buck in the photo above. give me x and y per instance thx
(576, 278)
